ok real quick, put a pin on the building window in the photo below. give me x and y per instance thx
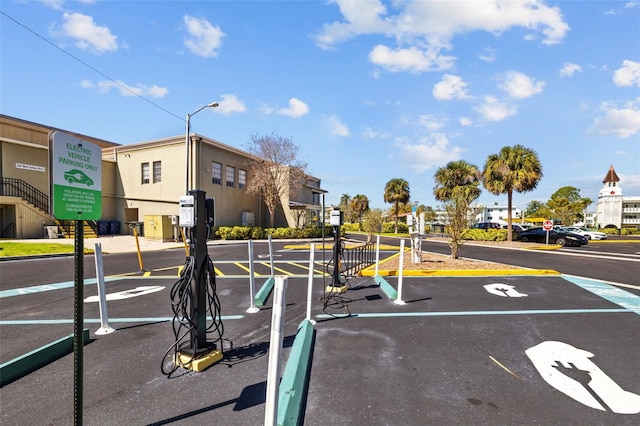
(145, 173)
(242, 179)
(231, 176)
(216, 173)
(157, 171)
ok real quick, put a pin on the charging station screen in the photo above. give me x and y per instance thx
(187, 211)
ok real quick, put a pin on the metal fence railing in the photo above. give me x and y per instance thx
(18, 188)
(355, 257)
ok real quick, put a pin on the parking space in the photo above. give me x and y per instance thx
(496, 350)
(510, 350)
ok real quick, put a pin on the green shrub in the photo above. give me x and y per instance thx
(389, 228)
(351, 227)
(258, 233)
(623, 231)
(486, 235)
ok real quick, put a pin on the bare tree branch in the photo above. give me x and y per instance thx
(275, 171)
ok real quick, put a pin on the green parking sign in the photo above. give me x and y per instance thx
(76, 177)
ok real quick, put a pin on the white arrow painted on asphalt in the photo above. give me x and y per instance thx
(503, 290)
(569, 370)
(127, 294)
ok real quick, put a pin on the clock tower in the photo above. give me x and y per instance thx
(609, 208)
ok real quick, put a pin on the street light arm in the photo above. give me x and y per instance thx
(188, 141)
(209, 105)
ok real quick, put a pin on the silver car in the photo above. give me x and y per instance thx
(591, 235)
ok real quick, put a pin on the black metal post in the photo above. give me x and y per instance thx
(199, 283)
(78, 323)
(336, 256)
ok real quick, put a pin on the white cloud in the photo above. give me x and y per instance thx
(628, 74)
(431, 122)
(230, 103)
(520, 86)
(87, 34)
(494, 110)
(139, 89)
(53, 4)
(369, 133)
(363, 17)
(296, 109)
(569, 69)
(488, 54)
(430, 152)
(465, 121)
(336, 127)
(414, 60)
(423, 29)
(620, 122)
(203, 38)
(450, 87)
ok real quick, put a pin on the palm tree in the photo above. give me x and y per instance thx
(457, 186)
(514, 168)
(345, 199)
(359, 205)
(396, 191)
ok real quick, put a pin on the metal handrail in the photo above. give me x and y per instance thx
(13, 187)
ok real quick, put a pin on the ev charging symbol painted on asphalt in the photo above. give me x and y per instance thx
(569, 370)
(503, 290)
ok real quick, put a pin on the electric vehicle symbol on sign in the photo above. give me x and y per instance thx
(569, 370)
(77, 176)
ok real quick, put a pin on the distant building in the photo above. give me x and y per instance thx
(497, 214)
(613, 208)
(141, 184)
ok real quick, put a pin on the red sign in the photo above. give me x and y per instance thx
(547, 225)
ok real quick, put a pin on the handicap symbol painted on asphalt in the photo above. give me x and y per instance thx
(127, 294)
(569, 370)
(503, 290)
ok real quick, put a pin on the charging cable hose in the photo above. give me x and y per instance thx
(182, 301)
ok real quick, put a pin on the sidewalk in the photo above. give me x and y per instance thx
(114, 243)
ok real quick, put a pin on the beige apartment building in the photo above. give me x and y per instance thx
(141, 185)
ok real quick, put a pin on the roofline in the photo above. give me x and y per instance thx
(109, 144)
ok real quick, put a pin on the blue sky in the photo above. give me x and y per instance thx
(368, 90)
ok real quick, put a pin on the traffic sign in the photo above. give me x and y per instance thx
(76, 177)
(547, 225)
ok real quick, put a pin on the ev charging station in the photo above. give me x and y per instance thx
(194, 294)
(336, 219)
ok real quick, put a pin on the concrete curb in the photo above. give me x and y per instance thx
(263, 294)
(386, 287)
(295, 379)
(20, 366)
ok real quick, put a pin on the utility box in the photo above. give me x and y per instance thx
(248, 219)
(158, 227)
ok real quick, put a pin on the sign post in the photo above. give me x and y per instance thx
(547, 225)
(76, 194)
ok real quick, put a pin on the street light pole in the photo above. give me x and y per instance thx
(187, 144)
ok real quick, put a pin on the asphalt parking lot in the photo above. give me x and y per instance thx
(499, 350)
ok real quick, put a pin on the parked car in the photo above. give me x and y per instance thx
(486, 225)
(515, 228)
(556, 236)
(591, 235)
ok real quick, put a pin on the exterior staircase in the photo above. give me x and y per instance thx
(39, 201)
(67, 228)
